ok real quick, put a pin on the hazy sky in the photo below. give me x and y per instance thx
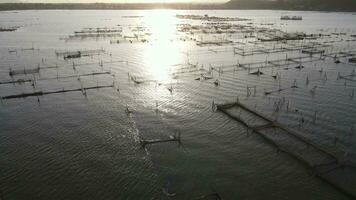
(113, 1)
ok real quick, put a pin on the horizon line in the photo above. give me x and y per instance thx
(199, 3)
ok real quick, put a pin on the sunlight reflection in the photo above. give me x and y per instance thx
(164, 50)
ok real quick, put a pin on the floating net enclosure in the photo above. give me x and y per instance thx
(322, 163)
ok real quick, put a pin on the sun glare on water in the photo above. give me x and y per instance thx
(164, 50)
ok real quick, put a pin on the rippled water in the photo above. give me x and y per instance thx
(68, 146)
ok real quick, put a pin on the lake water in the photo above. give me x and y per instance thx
(75, 146)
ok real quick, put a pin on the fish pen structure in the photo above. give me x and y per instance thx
(279, 49)
(24, 71)
(18, 81)
(168, 74)
(49, 77)
(41, 93)
(96, 31)
(79, 53)
(210, 18)
(322, 163)
(215, 43)
(294, 62)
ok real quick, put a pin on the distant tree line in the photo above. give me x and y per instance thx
(103, 6)
(318, 5)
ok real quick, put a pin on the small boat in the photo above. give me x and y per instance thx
(286, 17)
(275, 76)
(74, 55)
(258, 72)
(297, 18)
(128, 110)
(170, 89)
(295, 85)
(313, 90)
(134, 79)
(203, 77)
(299, 67)
(267, 92)
(2, 29)
(216, 82)
(137, 82)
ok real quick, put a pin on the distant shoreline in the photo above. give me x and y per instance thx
(146, 6)
(106, 6)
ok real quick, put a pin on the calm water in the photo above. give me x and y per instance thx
(70, 146)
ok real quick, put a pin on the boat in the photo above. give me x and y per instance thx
(216, 82)
(203, 77)
(258, 72)
(299, 67)
(10, 29)
(73, 55)
(286, 17)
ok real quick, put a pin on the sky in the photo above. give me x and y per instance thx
(112, 1)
